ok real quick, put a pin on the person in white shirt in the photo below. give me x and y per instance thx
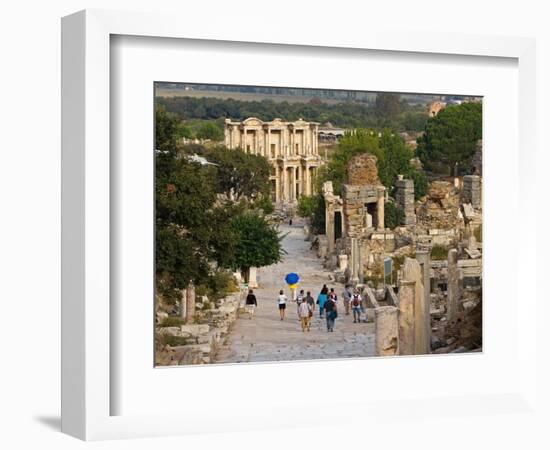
(281, 300)
(299, 301)
(305, 311)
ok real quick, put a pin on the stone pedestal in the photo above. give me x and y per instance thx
(472, 190)
(252, 278)
(407, 317)
(386, 339)
(404, 198)
(342, 263)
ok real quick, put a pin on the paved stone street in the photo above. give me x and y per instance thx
(267, 338)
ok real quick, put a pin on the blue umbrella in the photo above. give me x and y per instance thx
(292, 278)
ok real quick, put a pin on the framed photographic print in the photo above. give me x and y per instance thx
(242, 213)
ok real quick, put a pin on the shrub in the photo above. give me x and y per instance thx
(173, 341)
(438, 252)
(393, 216)
(172, 321)
(265, 204)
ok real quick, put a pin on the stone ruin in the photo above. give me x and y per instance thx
(354, 222)
(435, 304)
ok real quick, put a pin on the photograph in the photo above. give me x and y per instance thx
(308, 224)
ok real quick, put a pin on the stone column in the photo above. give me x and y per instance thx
(190, 312)
(406, 317)
(329, 227)
(268, 146)
(308, 181)
(284, 196)
(252, 278)
(423, 257)
(243, 140)
(380, 209)
(452, 284)
(386, 331)
(277, 184)
(183, 304)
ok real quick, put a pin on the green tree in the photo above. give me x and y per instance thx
(166, 127)
(258, 243)
(450, 138)
(239, 174)
(313, 208)
(393, 216)
(209, 130)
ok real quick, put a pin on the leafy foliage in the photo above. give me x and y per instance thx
(393, 158)
(438, 252)
(450, 137)
(210, 130)
(347, 114)
(258, 243)
(239, 174)
(197, 233)
(393, 216)
(313, 208)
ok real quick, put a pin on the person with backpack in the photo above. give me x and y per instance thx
(333, 295)
(347, 297)
(310, 301)
(281, 301)
(321, 300)
(304, 312)
(251, 303)
(331, 313)
(356, 306)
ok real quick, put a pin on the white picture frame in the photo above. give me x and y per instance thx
(87, 384)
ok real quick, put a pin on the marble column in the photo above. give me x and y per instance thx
(329, 228)
(183, 304)
(190, 312)
(277, 184)
(380, 209)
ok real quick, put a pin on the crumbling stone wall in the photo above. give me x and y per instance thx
(362, 170)
(441, 210)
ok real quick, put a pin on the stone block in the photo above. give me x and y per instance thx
(195, 329)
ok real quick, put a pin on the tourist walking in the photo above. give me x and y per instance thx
(321, 300)
(356, 306)
(299, 299)
(305, 312)
(251, 303)
(331, 313)
(332, 295)
(281, 300)
(347, 298)
(311, 301)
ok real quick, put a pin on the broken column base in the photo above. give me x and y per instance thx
(386, 331)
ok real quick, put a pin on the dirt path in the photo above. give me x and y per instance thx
(267, 338)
